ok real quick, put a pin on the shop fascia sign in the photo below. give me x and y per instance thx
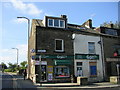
(87, 56)
(54, 56)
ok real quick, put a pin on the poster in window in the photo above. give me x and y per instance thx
(50, 76)
(50, 69)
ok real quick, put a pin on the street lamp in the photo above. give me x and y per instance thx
(28, 44)
(17, 54)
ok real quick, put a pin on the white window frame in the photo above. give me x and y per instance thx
(89, 49)
(63, 23)
(58, 23)
(62, 46)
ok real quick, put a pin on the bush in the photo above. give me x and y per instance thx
(7, 70)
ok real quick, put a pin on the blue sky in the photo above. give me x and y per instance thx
(14, 31)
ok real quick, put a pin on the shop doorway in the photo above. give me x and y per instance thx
(79, 69)
(43, 73)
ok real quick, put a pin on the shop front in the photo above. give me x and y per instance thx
(55, 68)
(87, 65)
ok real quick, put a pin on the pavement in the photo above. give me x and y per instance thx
(75, 85)
(20, 82)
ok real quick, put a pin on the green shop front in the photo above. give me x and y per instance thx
(54, 68)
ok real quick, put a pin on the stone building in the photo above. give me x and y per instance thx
(111, 50)
(51, 49)
(59, 50)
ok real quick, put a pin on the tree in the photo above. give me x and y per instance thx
(23, 65)
(4, 66)
(12, 67)
(108, 24)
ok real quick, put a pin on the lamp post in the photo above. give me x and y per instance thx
(17, 55)
(28, 44)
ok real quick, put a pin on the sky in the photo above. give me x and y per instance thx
(14, 31)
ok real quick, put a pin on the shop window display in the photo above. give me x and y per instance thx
(61, 71)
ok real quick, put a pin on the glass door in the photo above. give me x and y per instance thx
(79, 71)
(43, 73)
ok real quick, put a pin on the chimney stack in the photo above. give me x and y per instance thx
(63, 16)
(88, 23)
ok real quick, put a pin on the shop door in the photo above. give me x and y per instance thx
(43, 73)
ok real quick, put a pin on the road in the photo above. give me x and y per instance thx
(16, 82)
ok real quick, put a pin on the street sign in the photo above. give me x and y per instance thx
(41, 51)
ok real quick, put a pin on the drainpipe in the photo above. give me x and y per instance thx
(102, 56)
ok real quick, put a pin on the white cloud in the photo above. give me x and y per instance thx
(10, 55)
(26, 8)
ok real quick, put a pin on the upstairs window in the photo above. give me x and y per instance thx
(111, 32)
(91, 47)
(62, 23)
(59, 45)
(50, 22)
(56, 23)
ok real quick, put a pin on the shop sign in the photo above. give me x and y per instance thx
(62, 62)
(43, 62)
(32, 50)
(37, 62)
(55, 56)
(87, 56)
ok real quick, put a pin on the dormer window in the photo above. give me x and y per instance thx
(62, 23)
(56, 23)
(50, 22)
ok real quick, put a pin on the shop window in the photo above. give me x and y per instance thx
(91, 47)
(59, 45)
(61, 71)
(118, 52)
